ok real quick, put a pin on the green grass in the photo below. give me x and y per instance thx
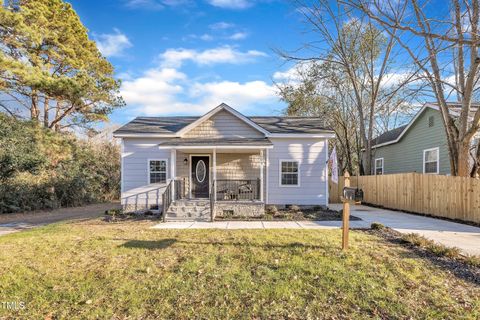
(126, 270)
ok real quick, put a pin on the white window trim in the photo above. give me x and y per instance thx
(148, 171)
(383, 165)
(280, 174)
(438, 160)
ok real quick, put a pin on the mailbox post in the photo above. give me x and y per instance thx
(346, 214)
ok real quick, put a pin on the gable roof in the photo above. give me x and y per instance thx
(394, 136)
(214, 111)
(269, 125)
(389, 136)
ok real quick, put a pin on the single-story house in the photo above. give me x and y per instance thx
(419, 146)
(223, 163)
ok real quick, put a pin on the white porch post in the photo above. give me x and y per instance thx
(173, 165)
(215, 174)
(262, 164)
(267, 165)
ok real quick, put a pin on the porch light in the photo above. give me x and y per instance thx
(185, 161)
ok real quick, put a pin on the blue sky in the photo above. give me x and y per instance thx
(185, 57)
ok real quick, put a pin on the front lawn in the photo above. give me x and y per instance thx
(124, 270)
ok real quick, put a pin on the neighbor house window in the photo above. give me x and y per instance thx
(289, 171)
(431, 121)
(157, 171)
(379, 166)
(431, 161)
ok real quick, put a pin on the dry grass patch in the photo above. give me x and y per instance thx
(126, 270)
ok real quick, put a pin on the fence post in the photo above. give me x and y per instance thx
(345, 214)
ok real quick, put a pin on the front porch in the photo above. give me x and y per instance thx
(211, 181)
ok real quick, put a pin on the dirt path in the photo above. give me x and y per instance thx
(19, 221)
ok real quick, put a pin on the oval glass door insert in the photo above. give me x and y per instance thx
(200, 171)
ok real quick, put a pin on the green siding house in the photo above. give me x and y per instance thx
(421, 146)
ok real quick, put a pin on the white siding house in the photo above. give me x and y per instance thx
(223, 162)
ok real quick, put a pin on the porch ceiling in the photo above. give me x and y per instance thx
(216, 143)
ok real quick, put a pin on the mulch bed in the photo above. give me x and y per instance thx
(456, 266)
(313, 214)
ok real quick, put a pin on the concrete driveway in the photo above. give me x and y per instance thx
(451, 234)
(15, 222)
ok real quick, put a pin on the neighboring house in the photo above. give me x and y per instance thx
(420, 146)
(238, 163)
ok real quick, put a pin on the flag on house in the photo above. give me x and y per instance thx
(334, 164)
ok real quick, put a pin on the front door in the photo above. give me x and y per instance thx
(200, 174)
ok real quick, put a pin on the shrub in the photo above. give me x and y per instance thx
(377, 226)
(271, 209)
(295, 208)
(41, 169)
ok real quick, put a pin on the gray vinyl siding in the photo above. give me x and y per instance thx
(312, 156)
(135, 185)
(407, 154)
(224, 125)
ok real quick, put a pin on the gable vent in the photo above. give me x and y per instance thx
(431, 121)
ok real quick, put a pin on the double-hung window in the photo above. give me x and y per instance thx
(379, 166)
(431, 160)
(157, 171)
(289, 173)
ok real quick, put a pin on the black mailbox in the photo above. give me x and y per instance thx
(353, 194)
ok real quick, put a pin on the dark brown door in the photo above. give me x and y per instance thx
(200, 176)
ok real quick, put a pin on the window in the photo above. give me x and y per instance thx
(379, 166)
(431, 161)
(157, 171)
(431, 121)
(289, 170)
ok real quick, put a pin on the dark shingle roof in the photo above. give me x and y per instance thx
(169, 125)
(291, 124)
(389, 135)
(159, 125)
(217, 142)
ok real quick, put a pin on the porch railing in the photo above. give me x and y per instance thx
(212, 201)
(230, 190)
(167, 199)
(180, 188)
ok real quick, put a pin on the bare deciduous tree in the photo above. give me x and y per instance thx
(444, 46)
(365, 57)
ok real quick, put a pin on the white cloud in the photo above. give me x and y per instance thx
(163, 91)
(239, 95)
(222, 25)
(238, 36)
(154, 4)
(293, 74)
(225, 54)
(113, 44)
(145, 4)
(231, 4)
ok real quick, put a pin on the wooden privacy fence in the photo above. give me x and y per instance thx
(436, 195)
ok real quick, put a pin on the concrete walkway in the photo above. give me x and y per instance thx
(15, 222)
(451, 234)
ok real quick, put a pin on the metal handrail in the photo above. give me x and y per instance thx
(167, 199)
(212, 201)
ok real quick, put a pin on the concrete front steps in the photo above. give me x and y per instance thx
(189, 210)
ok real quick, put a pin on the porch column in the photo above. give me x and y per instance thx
(173, 165)
(215, 174)
(262, 164)
(267, 165)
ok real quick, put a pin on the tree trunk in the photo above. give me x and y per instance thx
(34, 108)
(46, 109)
(463, 163)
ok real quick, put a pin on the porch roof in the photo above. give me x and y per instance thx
(221, 142)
